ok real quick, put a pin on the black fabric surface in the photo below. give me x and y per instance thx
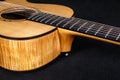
(89, 59)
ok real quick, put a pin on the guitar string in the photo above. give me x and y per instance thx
(102, 33)
(105, 34)
(111, 35)
(105, 27)
(101, 25)
(18, 6)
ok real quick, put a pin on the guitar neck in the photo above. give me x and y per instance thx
(85, 27)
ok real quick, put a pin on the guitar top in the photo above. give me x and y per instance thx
(9, 20)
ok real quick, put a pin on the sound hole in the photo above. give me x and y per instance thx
(17, 14)
(12, 16)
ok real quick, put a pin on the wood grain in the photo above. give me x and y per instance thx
(32, 53)
(29, 54)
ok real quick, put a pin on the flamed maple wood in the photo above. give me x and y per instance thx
(28, 54)
(26, 45)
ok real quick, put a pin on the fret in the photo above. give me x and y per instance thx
(82, 26)
(89, 28)
(61, 21)
(98, 30)
(41, 17)
(66, 26)
(104, 31)
(74, 24)
(32, 16)
(68, 22)
(108, 32)
(38, 15)
(113, 33)
(118, 37)
(50, 19)
(86, 27)
(78, 25)
(94, 29)
(46, 17)
(55, 20)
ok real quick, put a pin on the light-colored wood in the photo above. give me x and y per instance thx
(92, 37)
(49, 8)
(22, 55)
(29, 30)
(28, 54)
(66, 39)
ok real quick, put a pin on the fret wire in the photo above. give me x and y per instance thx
(89, 28)
(74, 24)
(82, 26)
(36, 16)
(109, 35)
(55, 20)
(46, 17)
(50, 19)
(113, 37)
(98, 30)
(68, 22)
(31, 16)
(112, 33)
(115, 32)
(105, 29)
(117, 29)
(41, 17)
(61, 21)
(95, 27)
(103, 34)
(118, 37)
(108, 32)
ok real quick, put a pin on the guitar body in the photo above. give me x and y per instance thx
(27, 45)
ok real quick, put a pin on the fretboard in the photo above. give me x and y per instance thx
(78, 25)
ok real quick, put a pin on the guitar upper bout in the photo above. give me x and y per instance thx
(50, 8)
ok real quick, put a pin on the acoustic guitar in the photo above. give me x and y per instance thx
(32, 35)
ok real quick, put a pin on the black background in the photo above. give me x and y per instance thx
(89, 59)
